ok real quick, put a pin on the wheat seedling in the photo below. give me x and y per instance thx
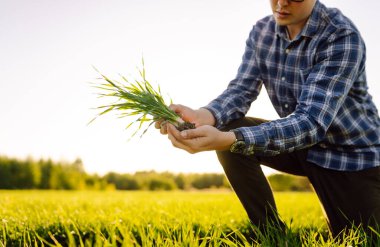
(138, 99)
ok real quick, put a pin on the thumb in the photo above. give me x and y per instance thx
(175, 107)
(192, 133)
(180, 110)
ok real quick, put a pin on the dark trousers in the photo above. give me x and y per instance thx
(348, 198)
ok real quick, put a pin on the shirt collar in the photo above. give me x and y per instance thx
(311, 26)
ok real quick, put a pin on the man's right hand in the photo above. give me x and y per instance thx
(199, 117)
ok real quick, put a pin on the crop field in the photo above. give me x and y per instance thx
(115, 218)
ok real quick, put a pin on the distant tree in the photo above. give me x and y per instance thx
(36, 173)
(205, 181)
(285, 182)
(151, 180)
(24, 175)
(122, 181)
(96, 182)
(226, 183)
(5, 174)
(161, 184)
(180, 181)
(46, 168)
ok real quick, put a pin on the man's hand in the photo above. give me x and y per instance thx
(203, 138)
(198, 117)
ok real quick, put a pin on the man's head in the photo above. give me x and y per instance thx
(292, 13)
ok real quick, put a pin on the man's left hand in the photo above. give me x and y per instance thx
(203, 138)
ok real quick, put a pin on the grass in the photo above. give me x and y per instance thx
(94, 218)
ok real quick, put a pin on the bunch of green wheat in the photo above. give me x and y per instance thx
(137, 99)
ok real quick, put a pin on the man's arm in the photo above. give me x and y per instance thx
(236, 100)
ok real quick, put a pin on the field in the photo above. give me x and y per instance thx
(95, 218)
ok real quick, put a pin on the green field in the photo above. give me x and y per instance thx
(95, 218)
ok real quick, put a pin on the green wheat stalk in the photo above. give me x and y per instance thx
(136, 99)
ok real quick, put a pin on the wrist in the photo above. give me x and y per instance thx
(239, 145)
(206, 117)
(228, 138)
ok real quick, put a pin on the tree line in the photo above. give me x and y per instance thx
(48, 174)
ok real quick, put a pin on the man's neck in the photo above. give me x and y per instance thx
(294, 30)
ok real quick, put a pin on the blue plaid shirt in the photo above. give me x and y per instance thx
(316, 83)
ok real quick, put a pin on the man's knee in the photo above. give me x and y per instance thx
(243, 122)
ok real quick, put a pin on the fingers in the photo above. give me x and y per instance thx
(162, 126)
(185, 113)
(176, 107)
(177, 140)
(193, 133)
(179, 109)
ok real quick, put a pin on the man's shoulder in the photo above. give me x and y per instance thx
(266, 22)
(264, 26)
(336, 22)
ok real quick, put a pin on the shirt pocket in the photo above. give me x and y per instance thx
(304, 74)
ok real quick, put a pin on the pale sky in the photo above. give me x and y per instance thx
(192, 49)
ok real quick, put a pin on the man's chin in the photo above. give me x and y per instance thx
(281, 22)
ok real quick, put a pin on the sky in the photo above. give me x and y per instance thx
(191, 48)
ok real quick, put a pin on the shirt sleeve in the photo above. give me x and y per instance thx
(236, 100)
(324, 89)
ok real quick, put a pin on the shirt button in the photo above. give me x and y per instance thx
(286, 106)
(287, 51)
(283, 78)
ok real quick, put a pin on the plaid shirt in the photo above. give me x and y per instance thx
(316, 83)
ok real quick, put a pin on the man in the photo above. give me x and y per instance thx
(311, 59)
